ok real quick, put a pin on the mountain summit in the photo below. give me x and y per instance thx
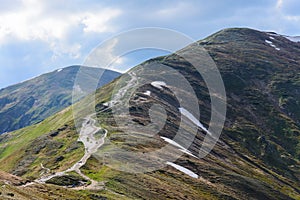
(34, 100)
(256, 157)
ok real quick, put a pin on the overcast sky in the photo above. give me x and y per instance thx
(37, 36)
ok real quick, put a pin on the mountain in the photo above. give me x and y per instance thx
(34, 100)
(256, 156)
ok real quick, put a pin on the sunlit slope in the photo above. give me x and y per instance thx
(257, 156)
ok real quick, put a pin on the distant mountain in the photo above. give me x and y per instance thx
(257, 156)
(34, 100)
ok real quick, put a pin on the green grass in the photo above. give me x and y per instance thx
(22, 139)
(247, 162)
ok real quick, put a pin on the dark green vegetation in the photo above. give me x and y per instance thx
(68, 180)
(257, 156)
(32, 101)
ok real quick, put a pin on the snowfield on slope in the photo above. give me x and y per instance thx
(183, 169)
(181, 148)
(293, 38)
(158, 84)
(272, 45)
(191, 117)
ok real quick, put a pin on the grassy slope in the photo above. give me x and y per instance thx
(34, 100)
(16, 145)
(34, 144)
(242, 166)
(261, 154)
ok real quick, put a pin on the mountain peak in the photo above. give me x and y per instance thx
(256, 157)
(234, 34)
(248, 35)
(43, 96)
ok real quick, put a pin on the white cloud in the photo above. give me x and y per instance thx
(289, 9)
(178, 10)
(59, 49)
(279, 4)
(292, 18)
(28, 23)
(31, 31)
(34, 20)
(98, 22)
(105, 56)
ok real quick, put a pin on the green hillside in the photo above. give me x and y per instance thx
(257, 156)
(34, 100)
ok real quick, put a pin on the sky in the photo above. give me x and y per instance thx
(38, 36)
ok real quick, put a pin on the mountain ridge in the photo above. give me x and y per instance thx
(33, 100)
(257, 156)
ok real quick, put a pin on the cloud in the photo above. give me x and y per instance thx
(279, 4)
(60, 49)
(27, 23)
(177, 10)
(38, 35)
(105, 56)
(289, 9)
(34, 20)
(98, 22)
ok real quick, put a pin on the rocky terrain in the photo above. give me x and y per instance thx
(256, 157)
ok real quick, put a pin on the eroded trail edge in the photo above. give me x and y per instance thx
(91, 145)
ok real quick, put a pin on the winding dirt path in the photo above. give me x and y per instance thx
(91, 144)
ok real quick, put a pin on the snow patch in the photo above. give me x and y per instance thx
(181, 148)
(183, 169)
(273, 34)
(148, 93)
(158, 84)
(59, 70)
(272, 38)
(191, 117)
(268, 41)
(293, 39)
(272, 45)
(172, 142)
(188, 152)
